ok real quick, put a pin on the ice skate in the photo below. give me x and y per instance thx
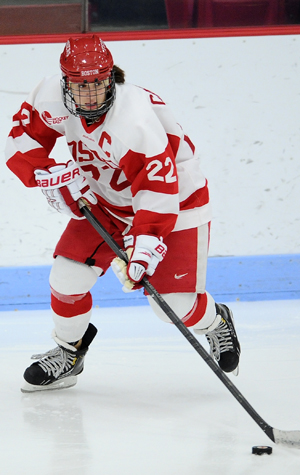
(58, 368)
(223, 342)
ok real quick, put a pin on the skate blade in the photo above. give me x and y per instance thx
(68, 382)
(236, 371)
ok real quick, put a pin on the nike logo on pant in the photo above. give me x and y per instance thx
(180, 276)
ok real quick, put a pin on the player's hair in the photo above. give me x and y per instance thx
(119, 74)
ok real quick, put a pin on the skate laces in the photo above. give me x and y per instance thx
(220, 340)
(55, 361)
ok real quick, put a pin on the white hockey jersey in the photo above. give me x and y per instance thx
(136, 158)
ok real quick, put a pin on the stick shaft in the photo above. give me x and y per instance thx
(181, 327)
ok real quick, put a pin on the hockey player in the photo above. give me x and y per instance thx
(139, 173)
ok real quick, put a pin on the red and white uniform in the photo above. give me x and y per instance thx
(137, 159)
(146, 175)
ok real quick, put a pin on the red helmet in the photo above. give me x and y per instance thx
(87, 61)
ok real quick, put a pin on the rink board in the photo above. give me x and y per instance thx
(245, 278)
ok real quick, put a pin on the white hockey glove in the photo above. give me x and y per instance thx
(63, 185)
(144, 253)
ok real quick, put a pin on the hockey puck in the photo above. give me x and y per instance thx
(262, 449)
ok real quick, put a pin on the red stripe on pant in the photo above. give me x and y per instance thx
(198, 311)
(70, 305)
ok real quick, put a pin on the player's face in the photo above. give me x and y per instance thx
(89, 95)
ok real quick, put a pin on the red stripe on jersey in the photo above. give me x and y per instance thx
(174, 142)
(188, 140)
(196, 200)
(24, 164)
(28, 122)
(78, 306)
(144, 222)
(149, 222)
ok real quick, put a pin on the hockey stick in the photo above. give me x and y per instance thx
(288, 438)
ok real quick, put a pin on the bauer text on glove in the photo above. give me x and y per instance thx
(63, 186)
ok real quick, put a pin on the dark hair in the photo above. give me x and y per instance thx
(119, 74)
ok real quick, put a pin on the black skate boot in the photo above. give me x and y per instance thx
(223, 342)
(58, 368)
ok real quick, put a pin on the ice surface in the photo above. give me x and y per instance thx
(147, 404)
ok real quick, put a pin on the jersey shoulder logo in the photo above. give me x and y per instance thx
(46, 116)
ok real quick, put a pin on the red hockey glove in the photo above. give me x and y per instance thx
(63, 185)
(144, 253)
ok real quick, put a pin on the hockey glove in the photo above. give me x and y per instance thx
(63, 185)
(144, 253)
